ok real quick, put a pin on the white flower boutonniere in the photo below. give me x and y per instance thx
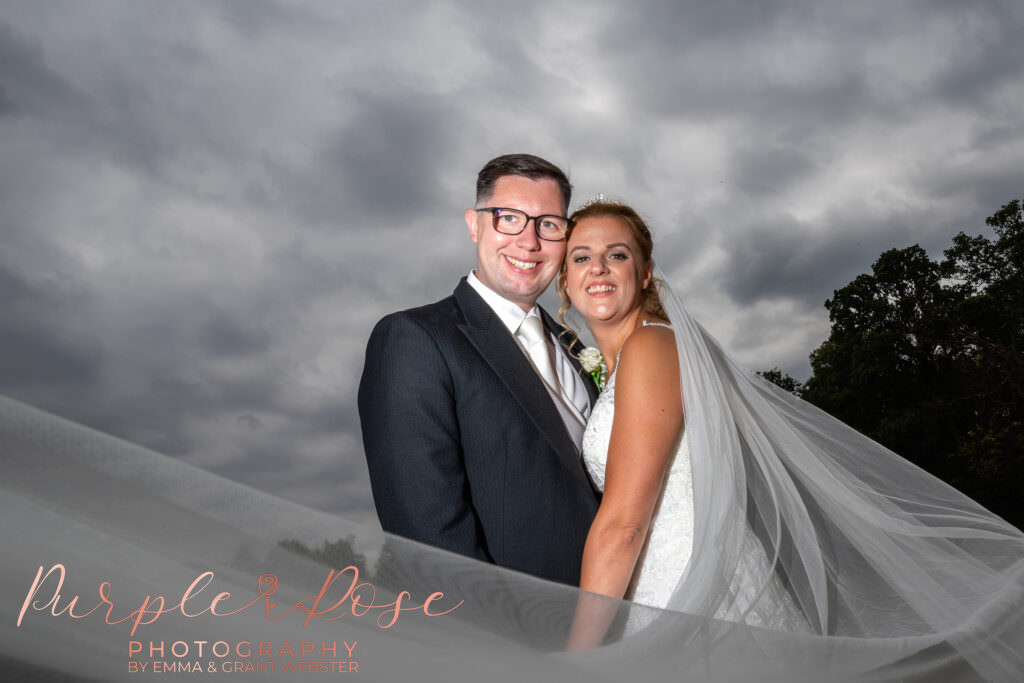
(593, 363)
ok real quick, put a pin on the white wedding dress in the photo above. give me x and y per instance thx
(666, 553)
(758, 599)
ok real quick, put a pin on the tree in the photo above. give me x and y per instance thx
(782, 380)
(336, 554)
(926, 357)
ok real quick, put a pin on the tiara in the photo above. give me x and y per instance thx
(599, 198)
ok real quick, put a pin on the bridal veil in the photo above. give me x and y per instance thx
(896, 576)
(877, 554)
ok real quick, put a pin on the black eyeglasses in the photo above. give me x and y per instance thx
(513, 222)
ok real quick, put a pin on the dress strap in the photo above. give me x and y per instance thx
(647, 323)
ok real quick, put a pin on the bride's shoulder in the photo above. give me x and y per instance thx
(650, 346)
(648, 370)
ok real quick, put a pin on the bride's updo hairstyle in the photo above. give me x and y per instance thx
(601, 207)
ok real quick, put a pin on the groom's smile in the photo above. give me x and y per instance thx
(521, 265)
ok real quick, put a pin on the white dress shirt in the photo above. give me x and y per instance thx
(573, 403)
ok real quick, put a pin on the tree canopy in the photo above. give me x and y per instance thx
(926, 356)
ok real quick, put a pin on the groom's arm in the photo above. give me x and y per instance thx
(411, 438)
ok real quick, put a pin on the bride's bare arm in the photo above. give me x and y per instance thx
(648, 417)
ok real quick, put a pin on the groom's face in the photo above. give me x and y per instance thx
(518, 267)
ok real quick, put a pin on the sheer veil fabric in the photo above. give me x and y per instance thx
(869, 546)
(897, 576)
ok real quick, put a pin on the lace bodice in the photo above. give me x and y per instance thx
(667, 552)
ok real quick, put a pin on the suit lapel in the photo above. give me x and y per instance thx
(497, 346)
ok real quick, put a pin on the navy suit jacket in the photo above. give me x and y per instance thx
(465, 447)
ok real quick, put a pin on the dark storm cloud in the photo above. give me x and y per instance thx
(767, 170)
(989, 57)
(782, 258)
(32, 351)
(985, 187)
(27, 85)
(805, 109)
(114, 116)
(669, 25)
(264, 18)
(7, 107)
(224, 334)
(708, 60)
(382, 166)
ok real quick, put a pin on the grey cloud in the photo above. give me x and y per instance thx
(264, 18)
(223, 334)
(382, 165)
(113, 118)
(29, 86)
(981, 188)
(43, 361)
(990, 58)
(34, 357)
(767, 170)
(7, 105)
(32, 352)
(705, 61)
(250, 421)
(670, 26)
(781, 258)
(803, 111)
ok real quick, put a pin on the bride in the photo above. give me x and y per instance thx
(727, 497)
(637, 454)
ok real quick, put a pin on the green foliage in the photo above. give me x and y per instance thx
(781, 379)
(927, 357)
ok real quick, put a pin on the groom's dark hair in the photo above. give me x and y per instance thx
(526, 165)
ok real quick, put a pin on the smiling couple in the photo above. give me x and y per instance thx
(484, 435)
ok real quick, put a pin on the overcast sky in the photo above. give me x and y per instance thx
(205, 206)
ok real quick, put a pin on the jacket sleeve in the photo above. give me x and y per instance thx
(411, 439)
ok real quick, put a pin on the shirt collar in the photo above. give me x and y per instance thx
(510, 314)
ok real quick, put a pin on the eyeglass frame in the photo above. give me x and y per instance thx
(536, 230)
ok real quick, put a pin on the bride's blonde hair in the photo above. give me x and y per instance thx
(651, 300)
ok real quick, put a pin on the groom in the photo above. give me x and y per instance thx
(472, 409)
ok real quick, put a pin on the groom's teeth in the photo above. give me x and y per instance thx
(600, 288)
(528, 265)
